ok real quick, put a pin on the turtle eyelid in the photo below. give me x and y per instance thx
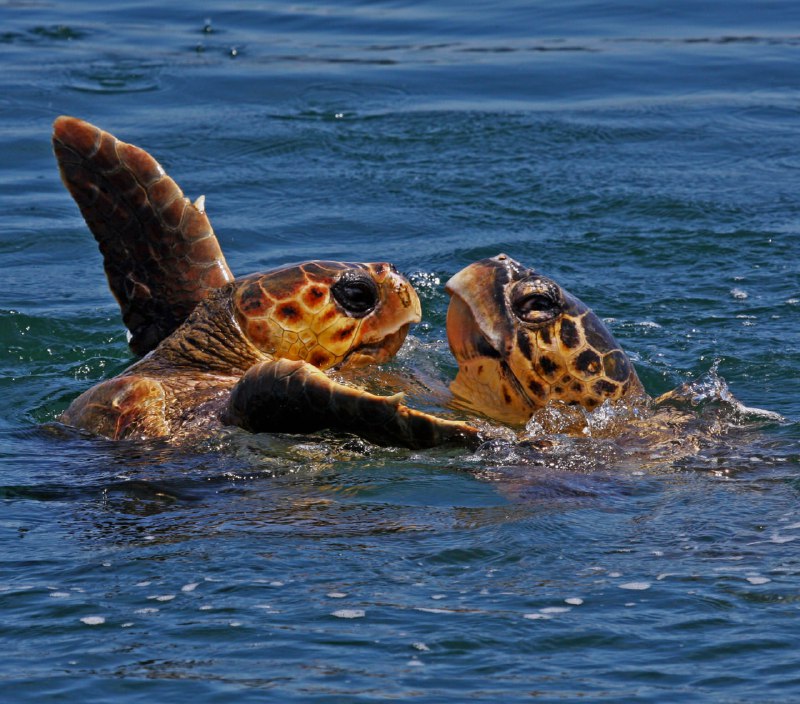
(536, 301)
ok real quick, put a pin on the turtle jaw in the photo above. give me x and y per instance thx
(484, 383)
(377, 352)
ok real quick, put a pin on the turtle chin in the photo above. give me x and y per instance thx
(377, 352)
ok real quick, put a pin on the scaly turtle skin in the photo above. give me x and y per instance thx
(221, 350)
(522, 341)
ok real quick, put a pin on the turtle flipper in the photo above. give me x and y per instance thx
(296, 397)
(160, 253)
(123, 407)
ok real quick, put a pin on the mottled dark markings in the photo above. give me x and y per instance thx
(536, 388)
(577, 386)
(548, 366)
(604, 387)
(289, 312)
(569, 333)
(597, 334)
(251, 299)
(319, 359)
(544, 333)
(346, 332)
(313, 295)
(506, 396)
(588, 362)
(616, 365)
(524, 344)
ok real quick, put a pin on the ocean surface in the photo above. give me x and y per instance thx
(645, 155)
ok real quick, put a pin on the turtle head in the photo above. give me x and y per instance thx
(521, 341)
(327, 313)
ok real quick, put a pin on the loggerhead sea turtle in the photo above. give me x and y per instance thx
(224, 351)
(522, 341)
(523, 345)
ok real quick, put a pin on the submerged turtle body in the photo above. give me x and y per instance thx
(522, 341)
(218, 349)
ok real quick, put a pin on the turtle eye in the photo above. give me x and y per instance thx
(536, 301)
(356, 293)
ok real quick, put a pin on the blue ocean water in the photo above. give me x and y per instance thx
(644, 154)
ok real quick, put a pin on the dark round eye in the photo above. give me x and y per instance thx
(356, 293)
(536, 301)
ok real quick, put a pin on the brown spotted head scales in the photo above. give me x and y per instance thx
(327, 313)
(522, 341)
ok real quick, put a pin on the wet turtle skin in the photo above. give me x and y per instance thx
(522, 341)
(184, 384)
(216, 348)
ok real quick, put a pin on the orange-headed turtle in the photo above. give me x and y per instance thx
(223, 351)
(522, 341)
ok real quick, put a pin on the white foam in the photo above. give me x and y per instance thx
(190, 587)
(573, 600)
(146, 610)
(758, 580)
(336, 595)
(349, 613)
(783, 538)
(555, 610)
(637, 586)
(420, 646)
(93, 620)
(537, 617)
(59, 595)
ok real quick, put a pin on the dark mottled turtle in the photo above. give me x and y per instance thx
(522, 341)
(219, 350)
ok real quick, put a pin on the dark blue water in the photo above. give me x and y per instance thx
(643, 154)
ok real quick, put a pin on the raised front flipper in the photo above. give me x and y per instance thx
(296, 397)
(159, 251)
(123, 407)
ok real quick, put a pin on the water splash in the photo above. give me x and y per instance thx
(710, 396)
